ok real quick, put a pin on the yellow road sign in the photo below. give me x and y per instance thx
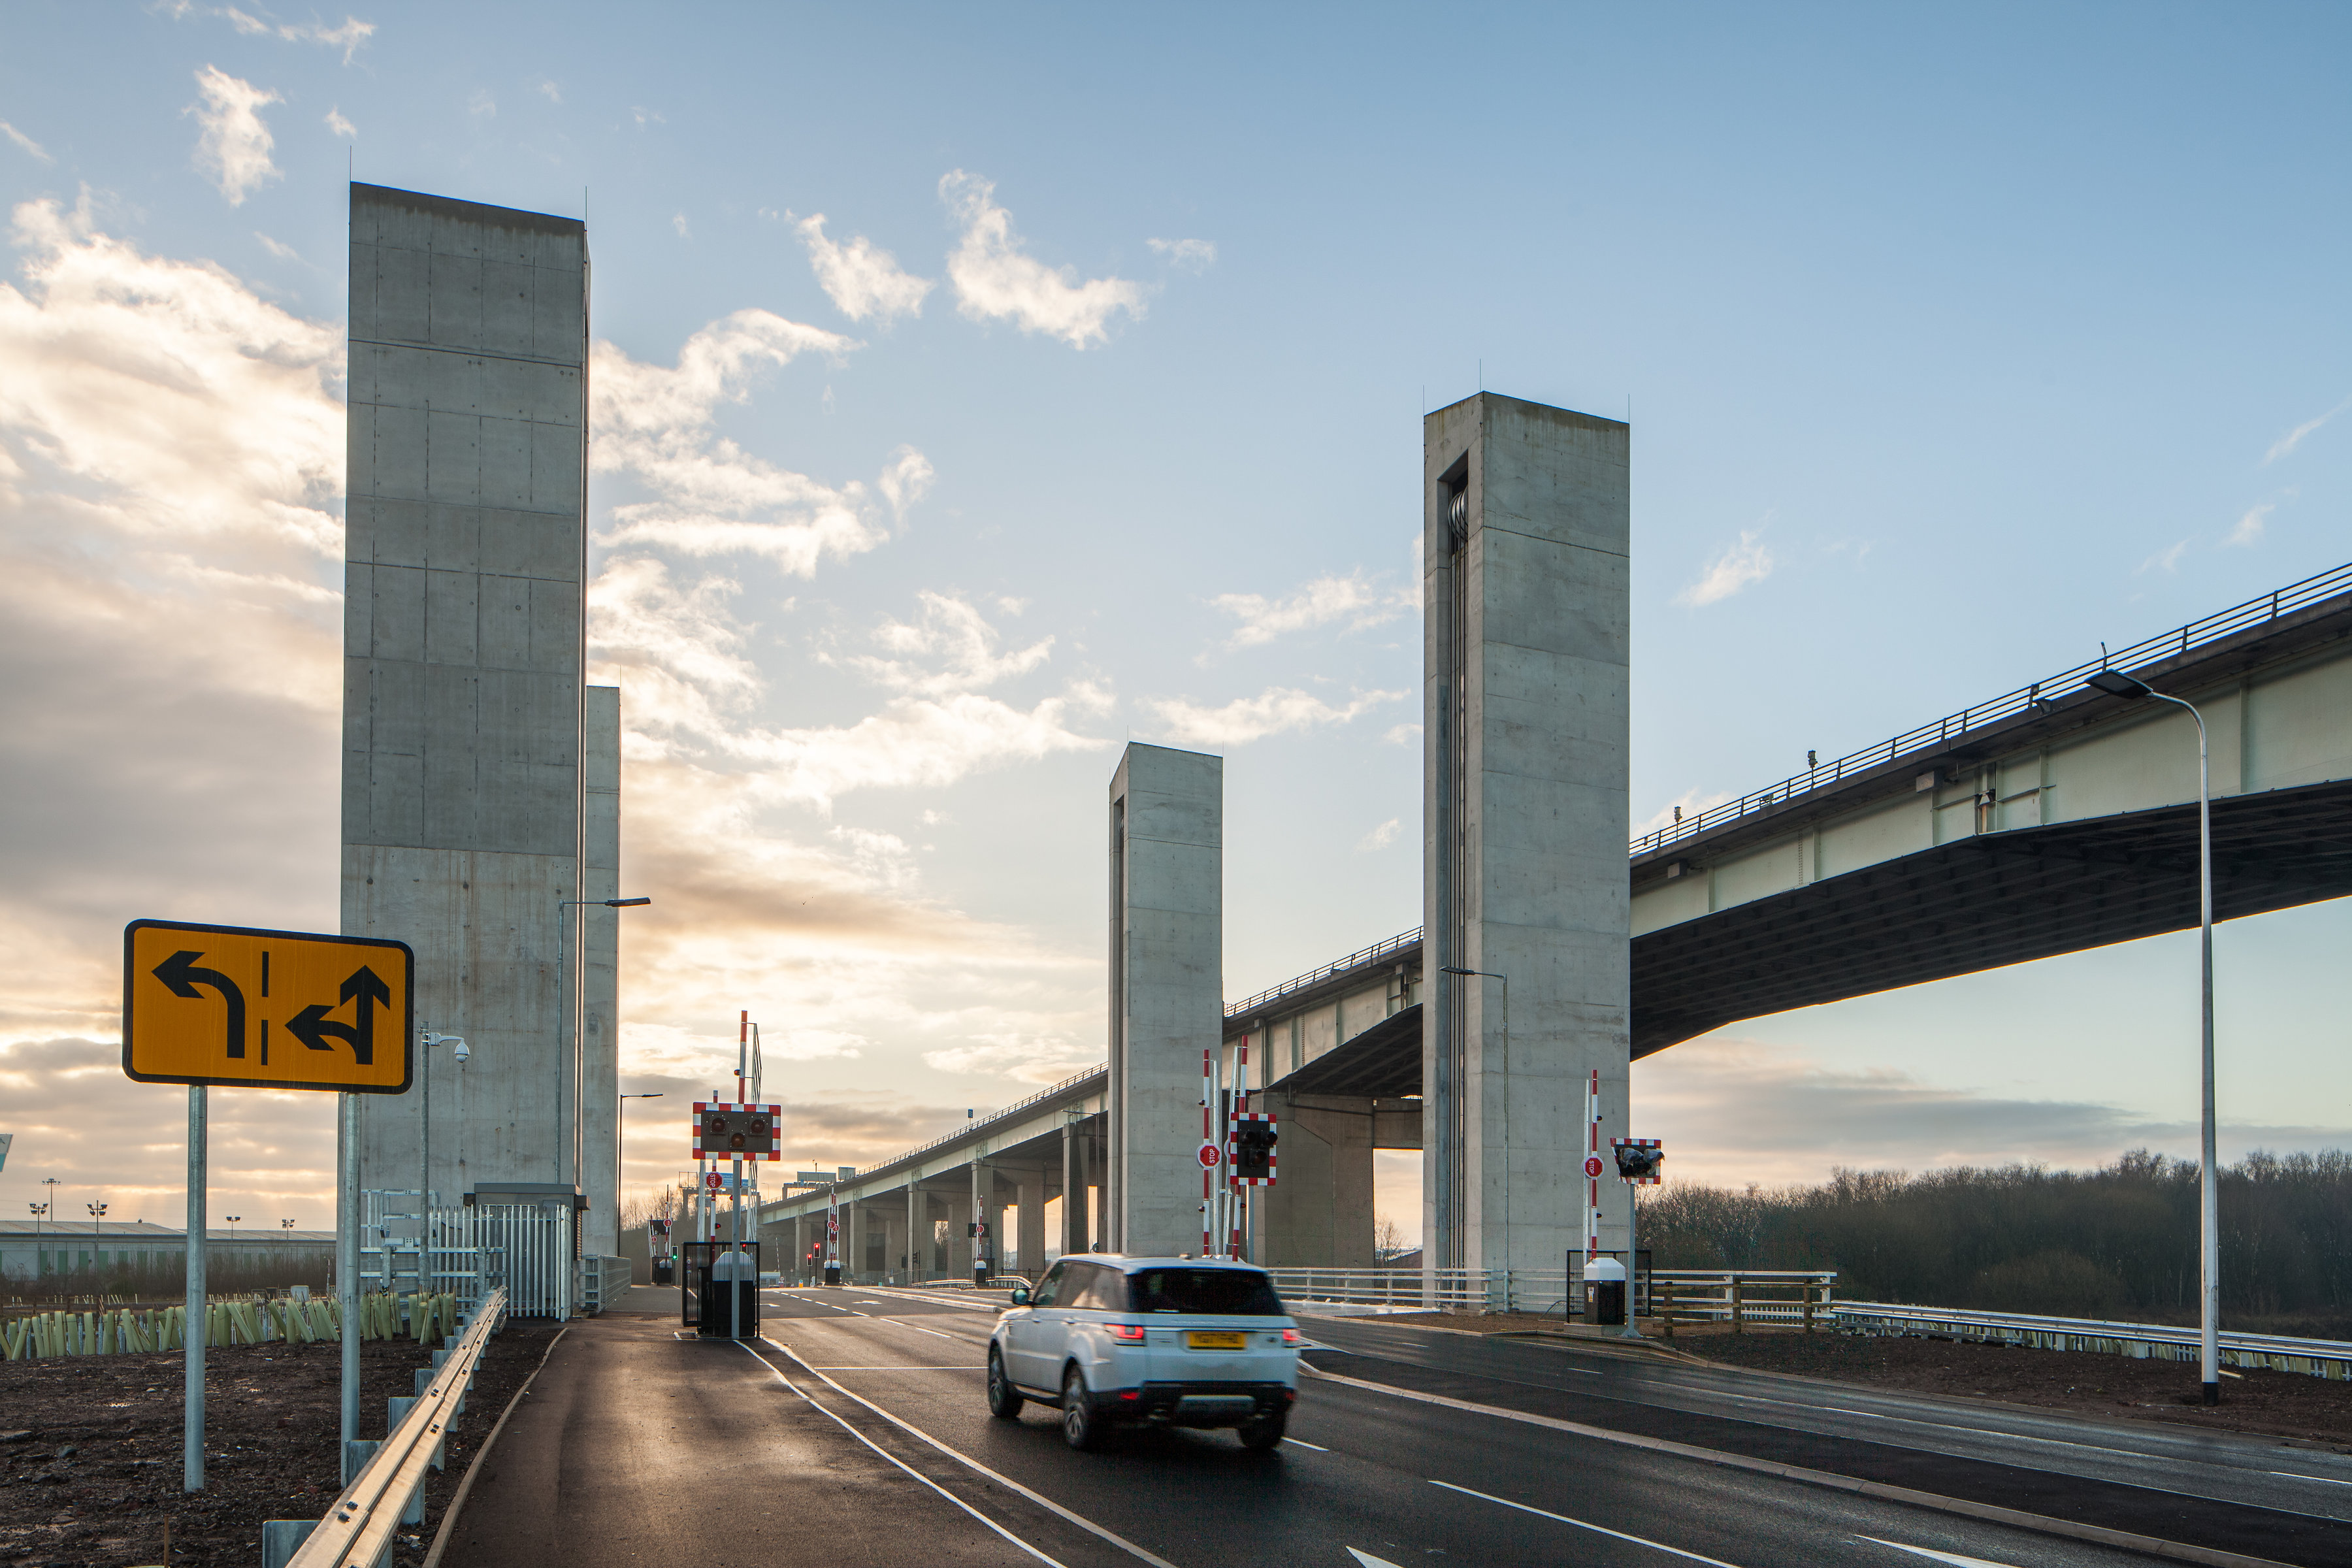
(265, 1009)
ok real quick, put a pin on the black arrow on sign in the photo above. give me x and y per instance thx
(313, 1028)
(180, 972)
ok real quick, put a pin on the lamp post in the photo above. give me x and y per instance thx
(2115, 683)
(620, 1133)
(234, 1220)
(567, 1041)
(286, 1225)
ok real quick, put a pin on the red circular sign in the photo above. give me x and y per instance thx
(1592, 1165)
(1211, 1156)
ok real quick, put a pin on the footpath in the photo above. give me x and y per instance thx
(636, 1446)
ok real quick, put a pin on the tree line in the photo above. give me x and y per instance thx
(2119, 1242)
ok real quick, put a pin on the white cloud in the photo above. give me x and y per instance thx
(1353, 598)
(26, 142)
(2165, 560)
(1039, 1061)
(861, 279)
(552, 93)
(1380, 838)
(277, 248)
(950, 630)
(1402, 735)
(711, 498)
(1194, 256)
(2294, 439)
(480, 102)
(1740, 566)
(233, 146)
(343, 128)
(348, 36)
(994, 278)
(677, 222)
(644, 117)
(2248, 529)
(1272, 711)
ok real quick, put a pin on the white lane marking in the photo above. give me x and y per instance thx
(1953, 1558)
(902, 1323)
(1367, 1560)
(2299, 1476)
(1581, 1525)
(1992, 1432)
(869, 1442)
(898, 1368)
(1121, 1541)
(1316, 1446)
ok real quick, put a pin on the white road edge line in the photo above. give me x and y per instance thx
(1581, 1525)
(896, 1368)
(2043, 1523)
(1953, 1558)
(869, 1442)
(2299, 1476)
(1121, 1541)
(1304, 1444)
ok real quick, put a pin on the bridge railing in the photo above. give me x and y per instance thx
(1739, 1296)
(2143, 1341)
(1941, 732)
(1317, 975)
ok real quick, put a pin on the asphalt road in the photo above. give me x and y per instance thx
(1375, 1475)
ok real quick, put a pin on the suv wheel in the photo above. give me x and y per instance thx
(1080, 1429)
(1263, 1433)
(1003, 1399)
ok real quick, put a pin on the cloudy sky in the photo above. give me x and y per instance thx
(977, 390)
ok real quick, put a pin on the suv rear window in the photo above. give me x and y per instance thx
(1241, 1292)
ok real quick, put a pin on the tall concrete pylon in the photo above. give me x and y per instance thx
(1525, 587)
(1167, 991)
(480, 776)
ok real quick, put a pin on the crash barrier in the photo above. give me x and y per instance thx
(1687, 1296)
(385, 1315)
(601, 1281)
(389, 1489)
(2143, 1341)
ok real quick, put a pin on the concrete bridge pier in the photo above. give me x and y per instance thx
(1167, 991)
(1526, 595)
(1029, 1239)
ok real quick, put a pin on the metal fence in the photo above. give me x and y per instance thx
(601, 1281)
(1739, 1297)
(528, 1249)
(2025, 699)
(2145, 1341)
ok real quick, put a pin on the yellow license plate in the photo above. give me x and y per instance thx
(1208, 1341)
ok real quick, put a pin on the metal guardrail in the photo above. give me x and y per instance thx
(2143, 1341)
(969, 1128)
(1695, 1295)
(1321, 973)
(358, 1530)
(1941, 732)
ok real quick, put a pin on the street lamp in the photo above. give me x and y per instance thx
(232, 1221)
(286, 1225)
(567, 1042)
(2115, 683)
(620, 1133)
(97, 1213)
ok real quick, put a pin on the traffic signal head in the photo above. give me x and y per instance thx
(1637, 1162)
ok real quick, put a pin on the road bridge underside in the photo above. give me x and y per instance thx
(1986, 901)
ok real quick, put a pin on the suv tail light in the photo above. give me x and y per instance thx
(1290, 1336)
(1124, 1333)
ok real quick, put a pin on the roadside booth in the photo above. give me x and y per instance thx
(719, 1281)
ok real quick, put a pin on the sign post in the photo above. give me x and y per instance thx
(197, 1005)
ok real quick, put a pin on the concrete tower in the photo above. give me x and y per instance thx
(471, 807)
(1167, 991)
(1524, 788)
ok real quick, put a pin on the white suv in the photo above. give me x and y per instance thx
(1168, 1342)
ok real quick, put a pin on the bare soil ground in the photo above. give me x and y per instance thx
(2272, 1403)
(89, 1446)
